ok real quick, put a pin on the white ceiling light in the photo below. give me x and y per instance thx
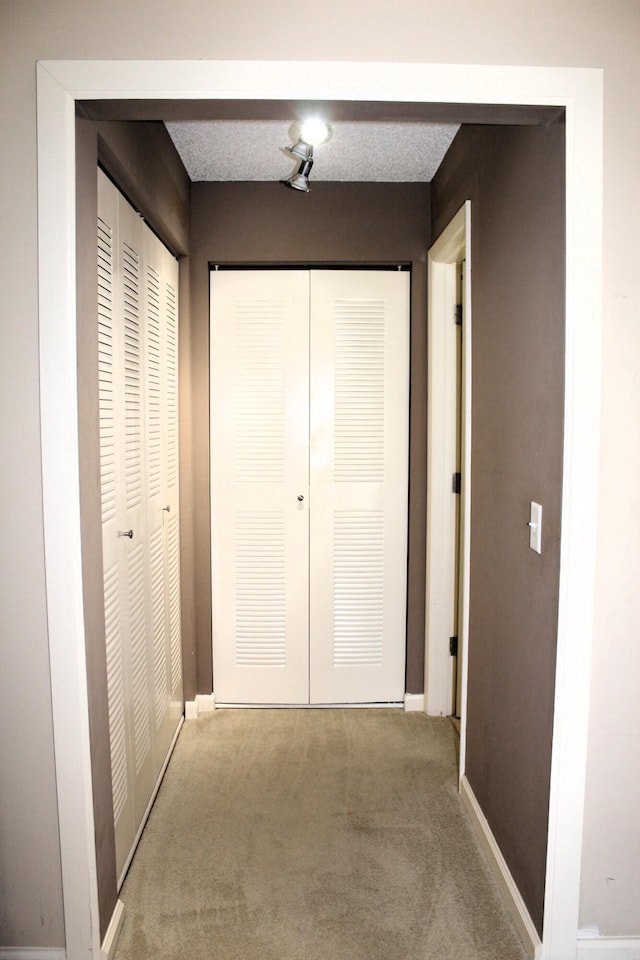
(315, 131)
(307, 135)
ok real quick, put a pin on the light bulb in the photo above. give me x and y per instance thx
(314, 131)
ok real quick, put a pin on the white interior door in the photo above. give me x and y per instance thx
(309, 453)
(260, 484)
(161, 489)
(359, 456)
(110, 397)
(138, 371)
(121, 372)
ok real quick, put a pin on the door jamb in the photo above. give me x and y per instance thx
(453, 245)
(580, 92)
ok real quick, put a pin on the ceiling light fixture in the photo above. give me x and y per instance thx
(299, 179)
(306, 135)
(300, 150)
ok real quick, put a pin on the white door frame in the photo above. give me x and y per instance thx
(579, 91)
(453, 245)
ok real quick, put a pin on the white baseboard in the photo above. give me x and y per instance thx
(389, 705)
(512, 898)
(414, 702)
(206, 702)
(113, 931)
(32, 953)
(608, 948)
(203, 703)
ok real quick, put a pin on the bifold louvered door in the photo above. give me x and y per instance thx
(309, 455)
(137, 317)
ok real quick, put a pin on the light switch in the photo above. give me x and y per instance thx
(535, 527)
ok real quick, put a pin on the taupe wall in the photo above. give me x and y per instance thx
(141, 157)
(575, 33)
(263, 223)
(514, 177)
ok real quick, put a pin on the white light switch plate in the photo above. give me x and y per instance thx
(535, 527)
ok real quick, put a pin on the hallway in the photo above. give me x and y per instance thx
(315, 834)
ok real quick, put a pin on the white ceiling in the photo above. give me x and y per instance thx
(358, 150)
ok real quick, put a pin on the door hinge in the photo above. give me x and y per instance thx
(453, 646)
(458, 314)
(456, 483)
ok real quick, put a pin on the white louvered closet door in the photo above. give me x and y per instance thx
(171, 497)
(161, 490)
(111, 349)
(137, 317)
(316, 586)
(259, 470)
(359, 478)
(131, 310)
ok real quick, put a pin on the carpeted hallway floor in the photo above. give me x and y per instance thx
(312, 835)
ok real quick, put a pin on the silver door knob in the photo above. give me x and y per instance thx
(126, 533)
(300, 498)
(168, 509)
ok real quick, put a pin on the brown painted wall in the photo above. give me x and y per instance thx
(262, 223)
(515, 180)
(514, 177)
(142, 159)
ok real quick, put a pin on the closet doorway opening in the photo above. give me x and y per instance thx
(309, 485)
(62, 83)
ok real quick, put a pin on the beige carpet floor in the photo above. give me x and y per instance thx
(312, 835)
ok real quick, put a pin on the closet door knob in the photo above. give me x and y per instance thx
(168, 508)
(300, 498)
(126, 533)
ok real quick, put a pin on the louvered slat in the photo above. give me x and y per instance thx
(130, 264)
(359, 390)
(173, 567)
(171, 384)
(259, 391)
(106, 409)
(138, 655)
(158, 625)
(261, 590)
(358, 588)
(115, 692)
(153, 425)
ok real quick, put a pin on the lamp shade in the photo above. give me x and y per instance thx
(300, 179)
(301, 150)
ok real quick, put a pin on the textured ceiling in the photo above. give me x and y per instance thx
(358, 150)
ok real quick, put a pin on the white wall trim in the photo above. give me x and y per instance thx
(512, 898)
(583, 351)
(190, 710)
(32, 953)
(203, 703)
(441, 465)
(608, 948)
(452, 245)
(579, 90)
(414, 702)
(61, 504)
(113, 931)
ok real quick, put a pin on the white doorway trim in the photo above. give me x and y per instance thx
(452, 246)
(60, 84)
